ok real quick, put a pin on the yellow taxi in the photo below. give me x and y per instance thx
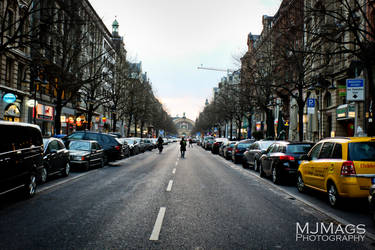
(341, 167)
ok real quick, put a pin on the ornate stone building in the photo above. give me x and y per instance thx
(184, 125)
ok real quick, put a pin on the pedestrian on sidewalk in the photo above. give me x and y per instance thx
(182, 147)
(190, 143)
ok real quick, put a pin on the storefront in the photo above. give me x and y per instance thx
(45, 119)
(345, 115)
(11, 105)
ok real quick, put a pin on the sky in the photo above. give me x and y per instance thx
(173, 37)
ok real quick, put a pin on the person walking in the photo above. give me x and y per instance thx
(190, 143)
(182, 147)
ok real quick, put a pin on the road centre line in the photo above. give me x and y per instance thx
(158, 223)
(174, 171)
(169, 188)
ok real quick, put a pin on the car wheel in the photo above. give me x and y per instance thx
(333, 195)
(66, 170)
(256, 166)
(30, 186)
(261, 172)
(300, 183)
(245, 164)
(105, 157)
(275, 176)
(43, 175)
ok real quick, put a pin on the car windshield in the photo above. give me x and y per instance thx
(362, 151)
(265, 144)
(130, 141)
(298, 148)
(243, 145)
(79, 145)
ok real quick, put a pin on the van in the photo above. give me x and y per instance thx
(21, 157)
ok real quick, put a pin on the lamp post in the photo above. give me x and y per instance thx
(320, 85)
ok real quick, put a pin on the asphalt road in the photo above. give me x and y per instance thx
(160, 201)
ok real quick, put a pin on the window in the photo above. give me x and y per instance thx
(53, 146)
(362, 151)
(20, 76)
(337, 151)
(326, 151)
(327, 100)
(61, 145)
(9, 24)
(315, 151)
(8, 72)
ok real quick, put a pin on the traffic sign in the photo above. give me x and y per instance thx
(355, 89)
(311, 105)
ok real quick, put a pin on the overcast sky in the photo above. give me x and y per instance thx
(173, 37)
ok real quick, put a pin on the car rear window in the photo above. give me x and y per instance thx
(243, 145)
(362, 151)
(298, 148)
(79, 145)
(265, 145)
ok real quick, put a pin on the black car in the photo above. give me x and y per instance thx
(282, 159)
(111, 146)
(254, 152)
(239, 149)
(21, 157)
(86, 154)
(55, 159)
(371, 200)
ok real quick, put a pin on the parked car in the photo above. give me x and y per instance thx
(239, 149)
(55, 159)
(147, 144)
(227, 150)
(371, 200)
(125, 147)
(21, 157)
(217, 143)
(133, 146)
(141, 145)
(339, 167)
(255, 151)
(282, 159)
(208, 144)
(111, 146)
(205, 140)
(86, 154)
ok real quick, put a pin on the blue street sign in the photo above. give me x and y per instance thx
(9, 98)
(354, 83)
(311, 103)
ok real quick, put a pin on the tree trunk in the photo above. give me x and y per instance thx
(370, 104)
(129, 124)
(270, 125)
(231, 129)
(89, 117)
(114, 116)
(142, 125)
(58, 109)
(135, 127)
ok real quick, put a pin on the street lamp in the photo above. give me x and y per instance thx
(320, 85)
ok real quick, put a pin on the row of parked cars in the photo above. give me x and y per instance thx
(341, 167)
(27, 159)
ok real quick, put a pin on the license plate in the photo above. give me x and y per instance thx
(373, 180)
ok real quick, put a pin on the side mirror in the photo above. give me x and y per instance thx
(305, 158)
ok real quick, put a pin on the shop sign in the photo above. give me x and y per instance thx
(342, 90)
(12, 111)
(63, 118)
(104, 119)
(44, 112)
(9, 98)
(345, 111)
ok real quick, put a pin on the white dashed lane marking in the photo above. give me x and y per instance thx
(158, 223)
